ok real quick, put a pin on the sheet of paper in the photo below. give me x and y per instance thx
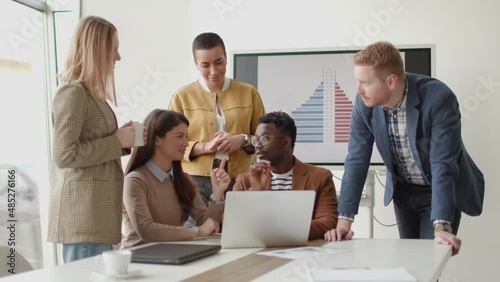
(302, 252)
(361, 275)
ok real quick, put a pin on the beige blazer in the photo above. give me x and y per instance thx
(86, 172)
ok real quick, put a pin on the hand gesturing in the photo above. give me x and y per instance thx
(260, 176)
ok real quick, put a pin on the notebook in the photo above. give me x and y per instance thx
(267, 218)
(167, 253)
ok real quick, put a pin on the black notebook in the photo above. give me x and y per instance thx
(165, 253)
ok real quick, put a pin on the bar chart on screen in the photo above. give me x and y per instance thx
(320, 99)
(318, 89)
(322, 121)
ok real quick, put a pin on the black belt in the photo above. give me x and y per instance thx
(406, 185)
(216, 164)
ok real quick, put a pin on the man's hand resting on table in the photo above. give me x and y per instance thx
(342, 232)
(446, 238)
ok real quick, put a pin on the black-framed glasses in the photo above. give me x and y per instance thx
(264, 140)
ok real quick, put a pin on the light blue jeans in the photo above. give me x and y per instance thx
(74, 252)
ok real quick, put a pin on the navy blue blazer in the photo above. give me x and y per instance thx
(434, 130)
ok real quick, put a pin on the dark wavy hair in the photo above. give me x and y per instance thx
(158, 123)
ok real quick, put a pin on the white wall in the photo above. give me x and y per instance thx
(159, 33)
(155, 45)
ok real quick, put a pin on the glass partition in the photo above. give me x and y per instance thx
(23, 146)
(30, 35)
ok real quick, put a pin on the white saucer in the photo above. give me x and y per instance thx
(130, 275)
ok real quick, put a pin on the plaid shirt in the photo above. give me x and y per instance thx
(402, 157)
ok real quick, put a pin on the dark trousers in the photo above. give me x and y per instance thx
(412, 206)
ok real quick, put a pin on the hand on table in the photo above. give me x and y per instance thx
(446, 238)
(209, 227)
(342, 232)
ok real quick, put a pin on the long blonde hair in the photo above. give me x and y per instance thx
(91, 56)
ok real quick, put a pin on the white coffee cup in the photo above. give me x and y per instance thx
(138, 133)
(115, 262)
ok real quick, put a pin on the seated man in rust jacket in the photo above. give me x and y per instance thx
(278, 169)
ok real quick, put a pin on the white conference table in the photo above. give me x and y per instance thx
(423, 259)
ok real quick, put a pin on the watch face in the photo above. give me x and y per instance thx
(246, 138)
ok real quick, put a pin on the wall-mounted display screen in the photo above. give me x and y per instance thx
(317, 89)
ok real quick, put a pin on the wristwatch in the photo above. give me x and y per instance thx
(214, 200)
(443, 227)
(247, 140)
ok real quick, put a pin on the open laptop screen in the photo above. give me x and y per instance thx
(267, 218)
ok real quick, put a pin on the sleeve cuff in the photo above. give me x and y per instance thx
(441, 221)
(347, 216)
(215, 200)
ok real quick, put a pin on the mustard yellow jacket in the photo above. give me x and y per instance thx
(242, 106)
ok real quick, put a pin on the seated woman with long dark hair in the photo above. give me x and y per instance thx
(158, 196)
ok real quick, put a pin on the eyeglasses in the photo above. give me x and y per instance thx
(264, 140)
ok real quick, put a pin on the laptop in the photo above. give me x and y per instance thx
(167, 253)
(267, 218)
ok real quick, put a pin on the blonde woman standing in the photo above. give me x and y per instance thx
(86, 172)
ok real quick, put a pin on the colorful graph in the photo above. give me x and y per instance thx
(325, 116)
